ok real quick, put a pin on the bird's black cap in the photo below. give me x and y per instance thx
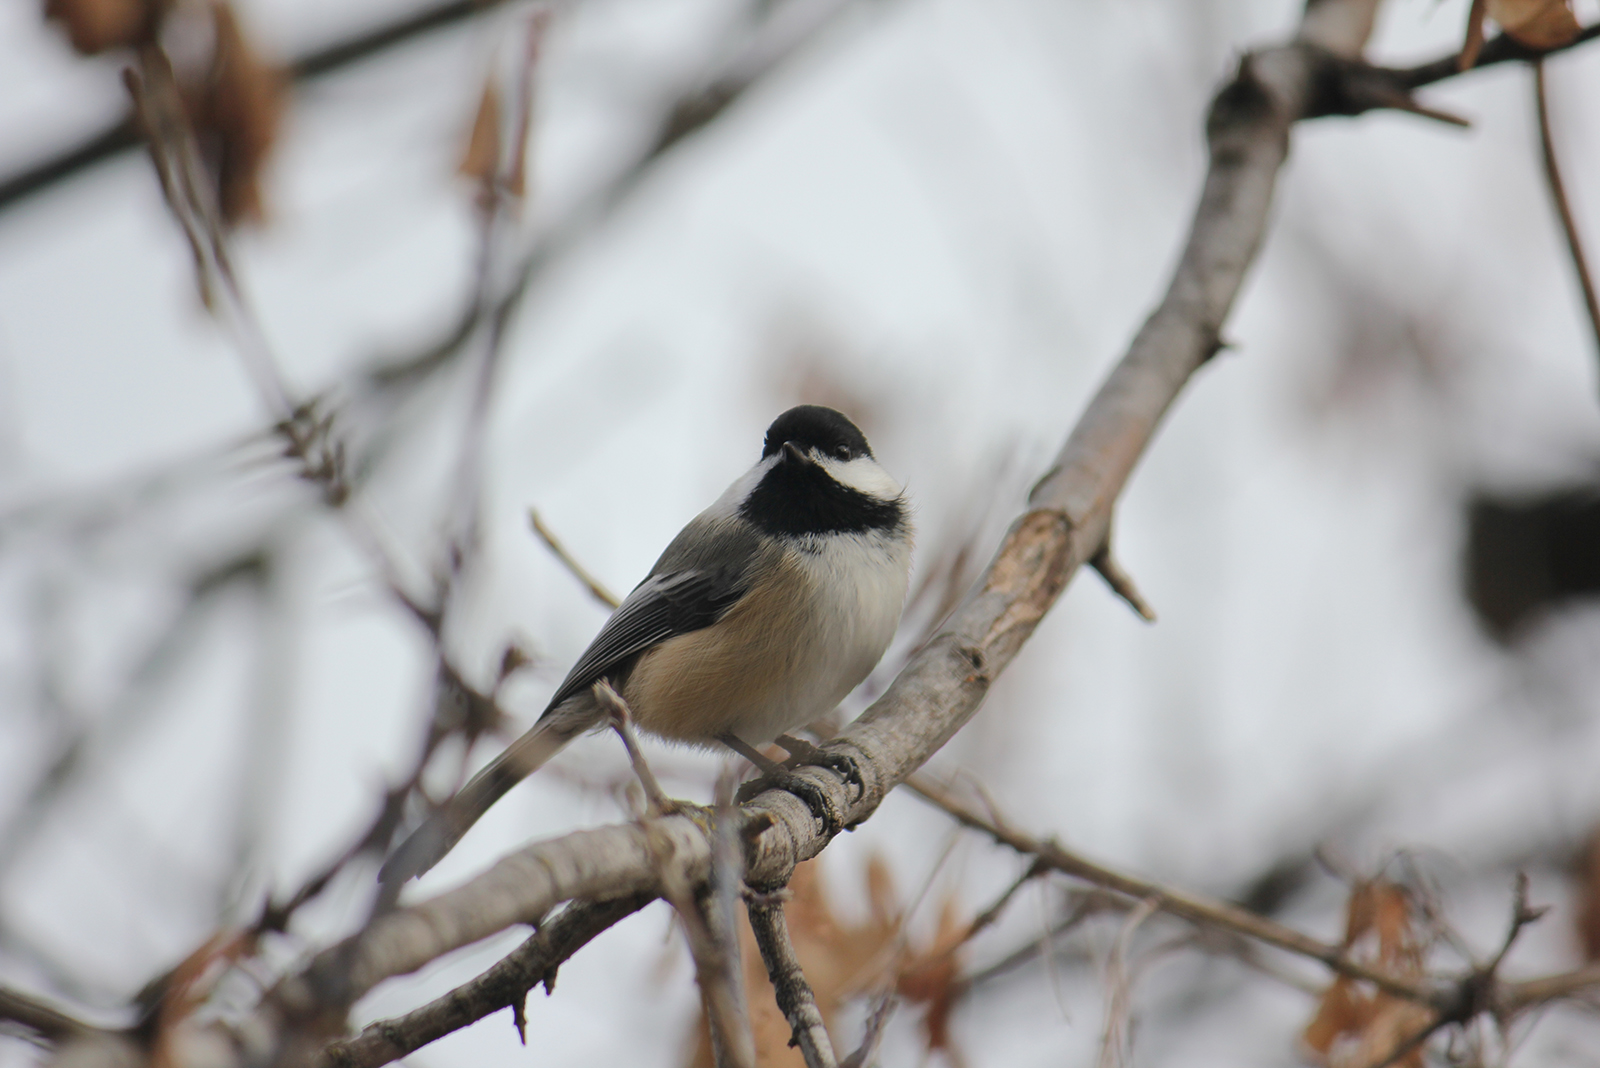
(811, 426)
(797, 497)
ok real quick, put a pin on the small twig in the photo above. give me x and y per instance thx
(1504, 48)
(795, 998)
(868, 1050)
(1522, 914)
(1090, 902)
(1558, 194)
(502, 201)
(1190, 906)
(1121, 582)
(49, 1023)
(989, 915)
(709, 914)
(595, 587)
(622, 722)
(1115, 1037)
(507, 983)
(190, 196)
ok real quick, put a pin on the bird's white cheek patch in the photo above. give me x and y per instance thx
(865, 475)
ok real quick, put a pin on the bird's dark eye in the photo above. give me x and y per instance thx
(842, 451)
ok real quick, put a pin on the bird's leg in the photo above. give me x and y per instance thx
(621, 718)
(802, 753)
(775, 775)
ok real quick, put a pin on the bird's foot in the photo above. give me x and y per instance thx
(803, 754)
(816, 798)
(775, 776)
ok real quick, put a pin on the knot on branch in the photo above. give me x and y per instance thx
(1242, 107)
(309, 439)
(1029, 573)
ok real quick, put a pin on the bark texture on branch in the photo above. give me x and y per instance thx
(504, 985)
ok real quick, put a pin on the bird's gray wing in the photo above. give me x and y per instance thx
(701, 575)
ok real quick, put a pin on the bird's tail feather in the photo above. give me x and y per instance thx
(428, 844)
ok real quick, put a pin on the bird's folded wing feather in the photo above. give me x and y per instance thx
(692, 586)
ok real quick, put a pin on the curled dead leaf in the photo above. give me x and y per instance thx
(932, 978)
(1343, 1010)
(843, 960)
(1536, 23)
(1587, 895)
(235, 105)
(481, 160)
(95, 26)
(1354, 1025)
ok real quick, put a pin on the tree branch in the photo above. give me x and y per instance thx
(123, 134)
(1196, 908)
(48, 1023)
(505, 984)
(1558, 195)
(794, 996)
(1503, 49)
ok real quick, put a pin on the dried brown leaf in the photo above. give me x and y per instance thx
(481, 160)
(95, 26)
(1587, 894)
(881, 892)
(1343, 1010)
(931, 978)
(1536, 23)
(840, 961)
(1359, 913)
(1393, 1023)
(1474, 41)
(236, 108)
(1352, 1027)
(1398, 946)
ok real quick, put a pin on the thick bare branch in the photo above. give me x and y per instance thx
(795, 998)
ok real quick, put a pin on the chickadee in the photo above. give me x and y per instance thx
(760, 616)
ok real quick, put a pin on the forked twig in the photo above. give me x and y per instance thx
(1119, 987)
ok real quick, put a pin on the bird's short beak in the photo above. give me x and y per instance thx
(792, 452)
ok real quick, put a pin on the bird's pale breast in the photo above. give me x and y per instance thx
(785, 655)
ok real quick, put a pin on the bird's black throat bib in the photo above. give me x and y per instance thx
(799, 497)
